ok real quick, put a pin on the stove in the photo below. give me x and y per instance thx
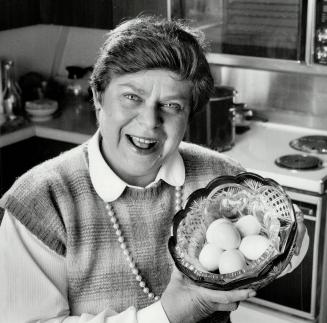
(265, 145)
(296, 158)
(310, 144)
(299, 162)
(306, 144)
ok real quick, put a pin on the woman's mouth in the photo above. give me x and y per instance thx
(142, 143)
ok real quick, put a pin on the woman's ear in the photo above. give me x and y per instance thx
(97, 105)
(96, 101)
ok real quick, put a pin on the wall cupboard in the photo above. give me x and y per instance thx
(101, 14)
(19, 13)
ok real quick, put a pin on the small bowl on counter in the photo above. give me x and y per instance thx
(41, 110)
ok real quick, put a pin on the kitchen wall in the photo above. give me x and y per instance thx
(262, 90)
(48, 49)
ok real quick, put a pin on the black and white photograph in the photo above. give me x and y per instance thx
(163, 161)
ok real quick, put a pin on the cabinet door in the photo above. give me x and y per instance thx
(256, 28)
(18, 158)
(124, 9)
(15, 159)
(18, 13)
(294, 290)
(81, 13)
(102, 14)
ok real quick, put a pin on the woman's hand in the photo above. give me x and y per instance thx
(301, 228)
(183, 301)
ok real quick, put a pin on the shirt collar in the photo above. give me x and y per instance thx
(110, 186)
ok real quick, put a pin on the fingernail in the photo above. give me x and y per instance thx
(252, 293)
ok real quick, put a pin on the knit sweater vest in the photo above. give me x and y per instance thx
(57, 202)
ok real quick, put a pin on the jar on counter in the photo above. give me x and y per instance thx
(223, 125)
(12, 103)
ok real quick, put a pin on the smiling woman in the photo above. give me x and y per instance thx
(143, 118)
(86, 233)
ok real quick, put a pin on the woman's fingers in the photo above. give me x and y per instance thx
(301, 232)
(227, 300)
(228, 307)
(196, 302)
(216, 296)
(301, 229)
(229, 297)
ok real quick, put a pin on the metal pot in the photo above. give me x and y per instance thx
(214, 126)
(222, 118)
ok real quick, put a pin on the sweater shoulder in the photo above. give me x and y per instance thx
(196, 156)
(202, 165)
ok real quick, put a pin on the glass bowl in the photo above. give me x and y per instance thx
(231, 198)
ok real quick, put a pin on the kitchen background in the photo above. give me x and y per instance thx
(46, 36)
(48, 49)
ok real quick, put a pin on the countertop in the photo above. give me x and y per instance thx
(73, 127)
(67, 125)
(296, 118)
(259, 148)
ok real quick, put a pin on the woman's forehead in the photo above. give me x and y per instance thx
(157, 80)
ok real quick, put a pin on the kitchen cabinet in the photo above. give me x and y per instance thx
(270, 29)
(101, 14)
(294, 290)
(18, 13)
(81, 13)
(123, 9)
(17, 158)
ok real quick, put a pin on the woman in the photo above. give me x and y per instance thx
(91, 226)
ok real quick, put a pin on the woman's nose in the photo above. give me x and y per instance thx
(149, 116)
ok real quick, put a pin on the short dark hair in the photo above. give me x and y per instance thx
(149, 42)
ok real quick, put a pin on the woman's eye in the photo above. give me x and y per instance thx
(132, 97)
(175, 107)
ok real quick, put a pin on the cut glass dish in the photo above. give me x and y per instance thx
(233, 197)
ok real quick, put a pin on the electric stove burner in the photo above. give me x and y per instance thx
(299, 162)
(310, 144)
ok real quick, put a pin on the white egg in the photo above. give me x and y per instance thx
(230, 261)
(222, 220)
(223, 234)
(254, 246)
(248, 225)
(209, 256)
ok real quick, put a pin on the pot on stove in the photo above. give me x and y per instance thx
(222, 118)
(215, 125)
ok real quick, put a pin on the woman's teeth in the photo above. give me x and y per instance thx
(142, 142)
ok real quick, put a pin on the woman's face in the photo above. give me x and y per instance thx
(143, 117)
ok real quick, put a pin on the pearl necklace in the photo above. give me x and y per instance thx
(126, 251)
